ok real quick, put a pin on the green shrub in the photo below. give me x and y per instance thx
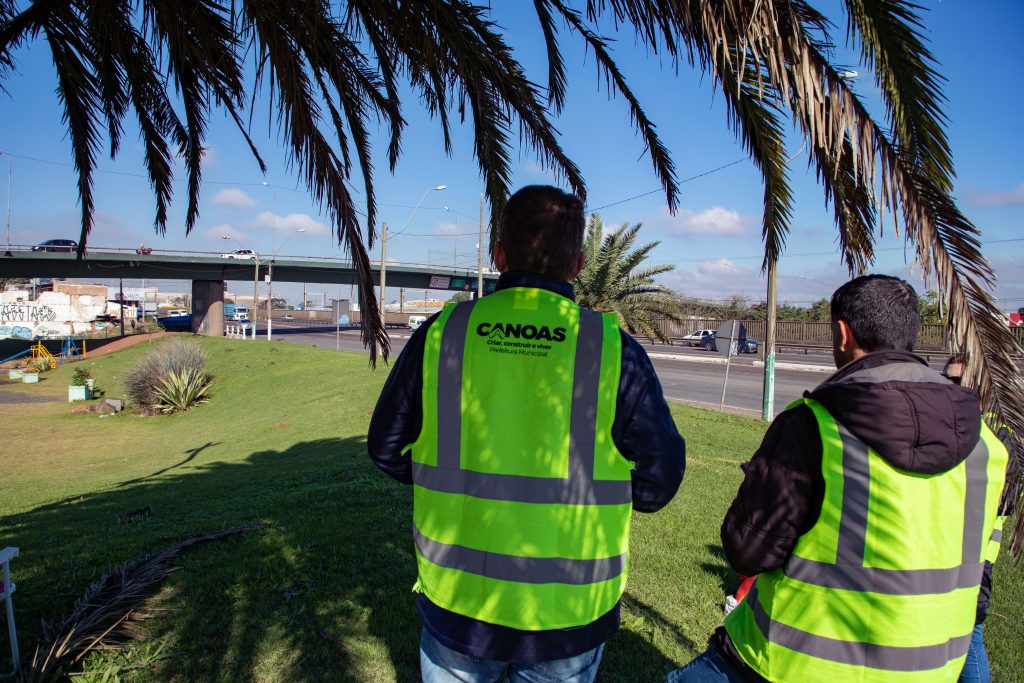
(180, 392)
(79, 376)
(146, 379)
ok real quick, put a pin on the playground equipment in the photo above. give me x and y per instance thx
(69, 350)
(42, 359)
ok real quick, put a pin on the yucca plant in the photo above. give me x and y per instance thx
(614, 279)
(179, 392)
(145, 378)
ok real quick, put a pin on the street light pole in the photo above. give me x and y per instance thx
(270, 279)
(384, 244)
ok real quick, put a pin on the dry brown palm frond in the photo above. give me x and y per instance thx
(111, 610)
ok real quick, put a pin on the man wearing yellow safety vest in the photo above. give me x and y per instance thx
(866, 515)
(530, 429)
(976, 668)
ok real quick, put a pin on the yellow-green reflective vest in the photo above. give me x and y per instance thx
(995, 543)
(883, 588)
(521, 500)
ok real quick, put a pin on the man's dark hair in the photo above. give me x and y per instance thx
(881, 310)
(541, 230)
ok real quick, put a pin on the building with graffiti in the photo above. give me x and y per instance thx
(66, 310)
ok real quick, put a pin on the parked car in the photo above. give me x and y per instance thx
(748, 345)
(244, 254)
(416, 320)
(698, 337)
(56, 245)
(287, 316)
(178, 312)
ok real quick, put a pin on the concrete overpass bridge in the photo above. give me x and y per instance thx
(209, 271)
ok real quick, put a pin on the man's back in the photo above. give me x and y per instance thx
(530, 429)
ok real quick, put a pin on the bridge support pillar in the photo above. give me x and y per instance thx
(208, 307)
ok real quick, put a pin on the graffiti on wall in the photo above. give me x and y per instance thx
(16, 332)
(26, 313)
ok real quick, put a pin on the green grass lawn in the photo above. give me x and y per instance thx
(324, 591)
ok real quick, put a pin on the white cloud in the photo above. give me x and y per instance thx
(233, 197)
(293, 221)
(718, 267)
(712, 221)
(992, 198)
(449, 229)
(535, 169)
(716, 279)
(209, 158)
(216, 232)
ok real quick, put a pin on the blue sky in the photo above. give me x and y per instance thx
(713, 241)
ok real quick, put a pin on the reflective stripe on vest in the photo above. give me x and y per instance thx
(506, 539)
(995, 541)
(862, 617)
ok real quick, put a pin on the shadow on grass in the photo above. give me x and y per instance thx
(322, 593)
(721, 570)
(190, 452)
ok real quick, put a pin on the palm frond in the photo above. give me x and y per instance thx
(612, 280)
(111, 610)
(79, 92)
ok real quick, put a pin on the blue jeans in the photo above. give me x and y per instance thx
(440, 664)
(976, 664)
(708, 667)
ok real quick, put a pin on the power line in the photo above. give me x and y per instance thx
(684, 180)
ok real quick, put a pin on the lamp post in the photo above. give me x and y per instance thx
(270, 280)
(384, 245)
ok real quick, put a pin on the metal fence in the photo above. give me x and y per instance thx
(931, 337)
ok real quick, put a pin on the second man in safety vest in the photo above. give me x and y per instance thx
(866, 514)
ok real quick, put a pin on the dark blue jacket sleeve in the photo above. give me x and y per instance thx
(398, 416)
(645, 433)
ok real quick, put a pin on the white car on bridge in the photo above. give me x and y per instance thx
(244, 254)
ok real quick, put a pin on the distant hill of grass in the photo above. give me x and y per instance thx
(323, 593)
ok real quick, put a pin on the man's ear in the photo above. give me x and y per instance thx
(579, 267)
(500, 261)
(845, 338)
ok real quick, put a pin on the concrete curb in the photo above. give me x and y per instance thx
(824, 369)
(757, 363)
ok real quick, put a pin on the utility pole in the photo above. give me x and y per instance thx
(480, 253)
(120, 297)
(401, 300)
(10, 175)
(383, 258)
(304, 296)
(768, 404)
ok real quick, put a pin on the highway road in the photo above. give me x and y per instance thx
(688, 375)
